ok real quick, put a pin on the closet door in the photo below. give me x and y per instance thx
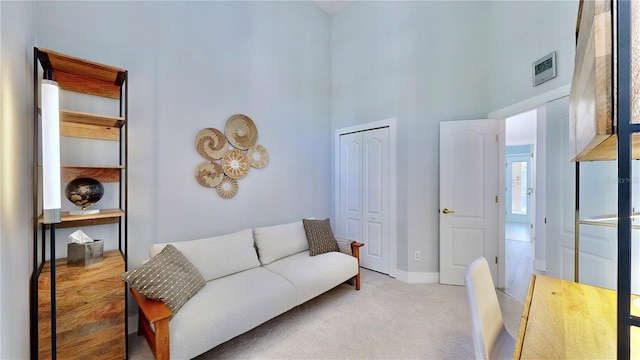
(350, 219)
(364, 195)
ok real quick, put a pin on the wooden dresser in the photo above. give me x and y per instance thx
(90, 310)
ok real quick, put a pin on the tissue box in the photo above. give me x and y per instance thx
(85, 254)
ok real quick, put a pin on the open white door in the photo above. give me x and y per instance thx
(598, 195)
(468, 196)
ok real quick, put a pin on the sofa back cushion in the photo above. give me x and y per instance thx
(278, 241)
(218, 256)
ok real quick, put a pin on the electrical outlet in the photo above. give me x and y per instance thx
(416, 256)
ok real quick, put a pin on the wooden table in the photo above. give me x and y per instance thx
(566, 320)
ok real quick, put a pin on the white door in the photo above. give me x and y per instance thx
(598, 195)
(468, 197)
(519, 188)
(350, 216)
(364, 195)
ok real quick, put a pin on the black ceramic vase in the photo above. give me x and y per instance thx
(84, 192)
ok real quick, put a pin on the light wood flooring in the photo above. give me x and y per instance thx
(519, 260)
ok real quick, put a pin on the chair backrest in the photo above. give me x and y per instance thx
(484, 308)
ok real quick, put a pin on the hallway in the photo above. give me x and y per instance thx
(519, 259)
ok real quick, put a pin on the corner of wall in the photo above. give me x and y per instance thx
(17, 26)
(418, 277)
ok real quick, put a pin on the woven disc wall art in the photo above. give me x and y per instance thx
(227, 188)
(258, 156)
(235, 164)
(211, 143)
(209, 174)
(241, 131)
(225, 165)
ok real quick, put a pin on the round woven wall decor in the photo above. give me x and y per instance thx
(235, 164)
(211, 143)
(241, 131)
(209, 174)
(258, 156)
(227, 188)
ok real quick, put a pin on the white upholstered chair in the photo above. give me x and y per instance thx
(491, 340)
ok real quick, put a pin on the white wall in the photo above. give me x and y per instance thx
(426, 62)
(521, 129)
(415, 61)
(192, 65)
(519, 33)
(16, 124)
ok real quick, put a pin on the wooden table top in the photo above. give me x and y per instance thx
(566, 320)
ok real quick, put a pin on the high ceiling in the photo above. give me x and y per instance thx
(331, 6)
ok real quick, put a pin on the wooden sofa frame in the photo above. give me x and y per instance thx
(157, 314)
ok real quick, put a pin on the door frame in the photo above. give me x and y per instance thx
(390, 123)
(501, 114)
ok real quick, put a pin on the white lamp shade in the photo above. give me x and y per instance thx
(51, 192)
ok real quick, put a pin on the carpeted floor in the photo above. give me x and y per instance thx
(387, 319)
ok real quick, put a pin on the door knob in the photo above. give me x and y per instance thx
(447, 211)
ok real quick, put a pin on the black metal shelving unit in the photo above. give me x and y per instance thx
(626, 128)
(82, 76)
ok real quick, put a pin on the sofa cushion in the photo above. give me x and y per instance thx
(218, 256)
(319, 236)
(228, 307)
(168, 277)
(278, 241)
(314, 275)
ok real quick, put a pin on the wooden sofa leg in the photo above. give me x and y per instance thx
(141, 321)
(162, 340)
(156, 313)
(355, 250)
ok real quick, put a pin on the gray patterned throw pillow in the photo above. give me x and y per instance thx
(320, 236)
(168, 277)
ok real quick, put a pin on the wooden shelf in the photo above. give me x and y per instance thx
(86, 118)
(607, 149)
(100, 173)
(592, 120)
(88, 125)
(83, 76)
(105, 216)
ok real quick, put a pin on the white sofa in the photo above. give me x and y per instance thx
(251, 276)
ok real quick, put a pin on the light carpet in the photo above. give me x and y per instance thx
(387, 319)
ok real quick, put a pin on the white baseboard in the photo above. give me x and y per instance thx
(418, 277)
(540, 265)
